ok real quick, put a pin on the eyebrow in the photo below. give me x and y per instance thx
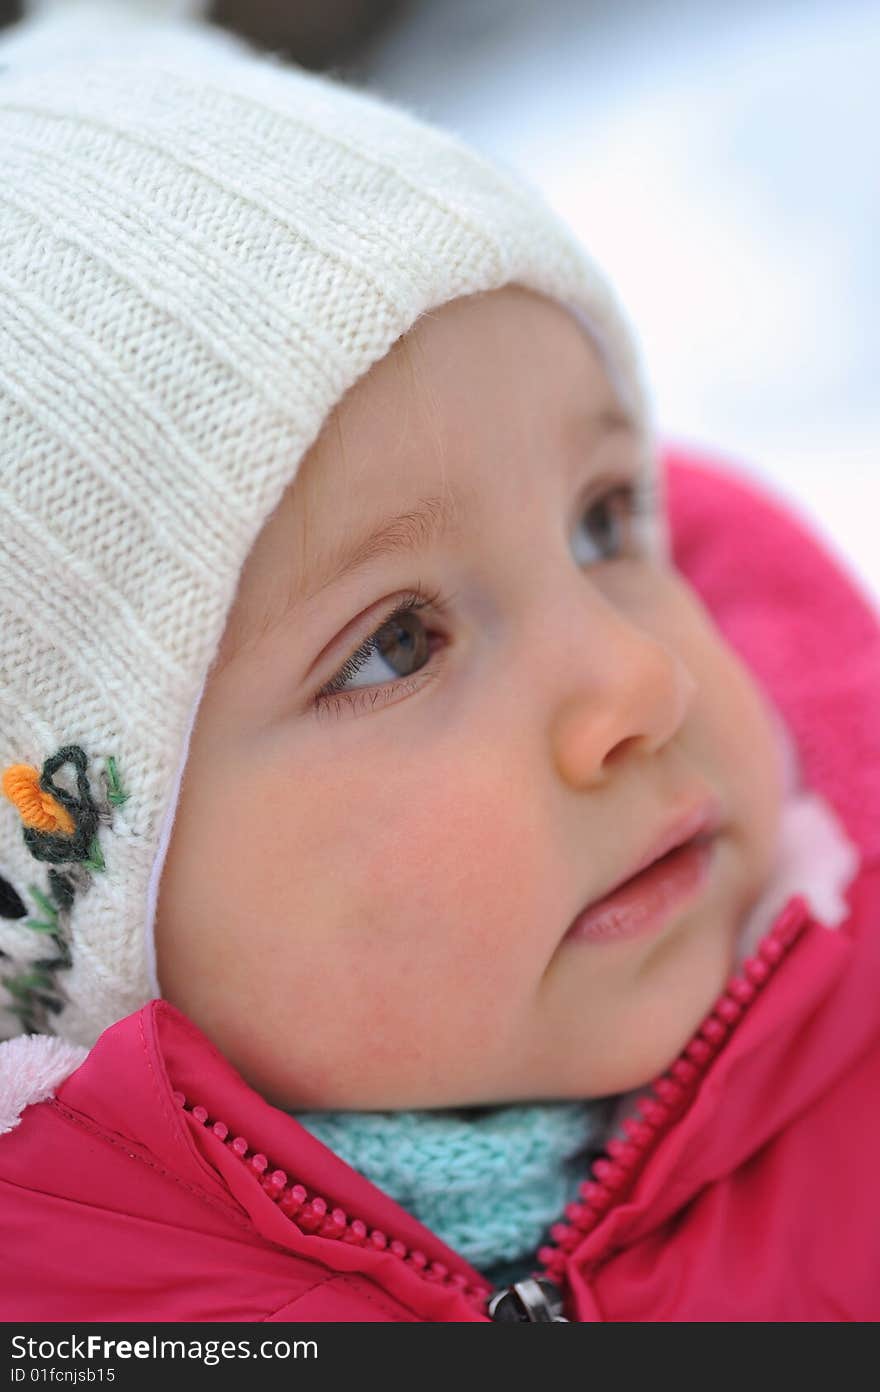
(428, 521)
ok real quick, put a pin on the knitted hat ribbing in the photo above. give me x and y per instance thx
(203, 249)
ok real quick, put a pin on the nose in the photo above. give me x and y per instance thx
(631, 698)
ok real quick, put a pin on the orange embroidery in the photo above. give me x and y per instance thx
(21, 784)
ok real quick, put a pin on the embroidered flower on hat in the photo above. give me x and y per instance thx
(61, 827)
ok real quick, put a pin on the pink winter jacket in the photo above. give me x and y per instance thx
(157, 1185)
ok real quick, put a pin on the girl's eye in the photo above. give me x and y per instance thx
(612, 519)
(402, 643)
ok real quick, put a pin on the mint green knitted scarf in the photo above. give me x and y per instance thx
(488, 1180)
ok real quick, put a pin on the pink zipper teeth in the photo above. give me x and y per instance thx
(615, 1172)
(315, 1215)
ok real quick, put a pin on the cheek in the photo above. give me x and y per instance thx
(438, 893)
(442, 859)
(744, 754)
(731, 712)
(752, 750)
(413, 918)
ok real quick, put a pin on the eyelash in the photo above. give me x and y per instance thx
(410, 603)
(641, 501)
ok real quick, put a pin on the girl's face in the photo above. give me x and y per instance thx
(373, 867)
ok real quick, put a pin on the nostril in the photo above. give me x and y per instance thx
(625, 747)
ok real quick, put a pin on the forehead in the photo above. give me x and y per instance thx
(480, 394)
(470, 384)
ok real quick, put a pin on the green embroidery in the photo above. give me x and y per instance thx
(96, 859)
(115, 795)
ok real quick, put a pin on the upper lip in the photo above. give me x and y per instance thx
(701, 819)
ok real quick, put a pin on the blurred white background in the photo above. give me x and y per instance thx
(721, 163)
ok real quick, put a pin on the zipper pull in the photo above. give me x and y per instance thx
(533, 1301)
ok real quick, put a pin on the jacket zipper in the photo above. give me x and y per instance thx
(539, 1298)
(312, 1213)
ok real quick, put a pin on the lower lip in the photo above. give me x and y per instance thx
(646, 902)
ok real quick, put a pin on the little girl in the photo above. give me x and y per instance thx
(440, 852)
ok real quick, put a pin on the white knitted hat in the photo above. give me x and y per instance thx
(203, 248)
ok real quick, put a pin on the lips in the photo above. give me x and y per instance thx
(647, 902)
(698, 823)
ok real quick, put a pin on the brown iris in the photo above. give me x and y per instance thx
(403, 640)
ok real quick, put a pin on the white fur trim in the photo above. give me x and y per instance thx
(31, 1067)
(815, 858)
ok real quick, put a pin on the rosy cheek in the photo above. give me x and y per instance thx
(461, 865)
